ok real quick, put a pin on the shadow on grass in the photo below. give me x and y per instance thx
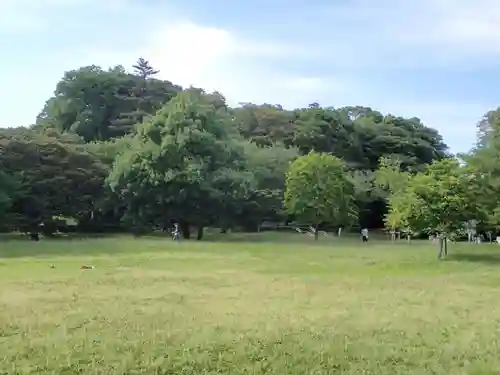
(486, 258)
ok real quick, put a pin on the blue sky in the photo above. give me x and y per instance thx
(435, 59)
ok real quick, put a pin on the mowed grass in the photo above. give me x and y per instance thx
(278, 305)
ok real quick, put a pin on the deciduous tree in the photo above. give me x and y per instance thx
(182, 166)
(319, 190)
(57, 176)
(101, 104)
(437, 199)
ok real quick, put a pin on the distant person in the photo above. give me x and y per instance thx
(364, 235)
(176, 235)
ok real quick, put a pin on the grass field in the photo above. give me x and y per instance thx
(152, 306)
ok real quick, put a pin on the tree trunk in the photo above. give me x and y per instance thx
(199, 233)
(316, 232)
(185, 230)
(443, 246)
(440, 246)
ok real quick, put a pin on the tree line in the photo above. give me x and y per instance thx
(124, 150)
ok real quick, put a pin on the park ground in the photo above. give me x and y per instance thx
(254, 304)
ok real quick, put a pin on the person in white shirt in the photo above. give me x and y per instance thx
(176, 235)
(364, 235)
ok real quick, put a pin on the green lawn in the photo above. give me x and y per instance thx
(152, 306)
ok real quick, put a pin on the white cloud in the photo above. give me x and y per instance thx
(192, 55)
(464, 26)
(215, 59)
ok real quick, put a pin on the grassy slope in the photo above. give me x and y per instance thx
(155, 307)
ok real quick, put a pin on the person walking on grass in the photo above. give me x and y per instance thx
(364, 235)
(176, 235)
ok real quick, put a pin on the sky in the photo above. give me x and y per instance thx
(438, 60)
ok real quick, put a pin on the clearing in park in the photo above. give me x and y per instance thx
(255, 304)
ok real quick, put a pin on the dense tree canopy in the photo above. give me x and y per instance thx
(101, 104)
(55, 176)
(183, 166)
(8, 187)
(358, 135)
(320, 191)
(439, 200)
(128, 150)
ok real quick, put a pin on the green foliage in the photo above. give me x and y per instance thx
(488, 128)
(369, 197)
(101, 104)
(438, 199)
(268, 166)
(319, 190)
(389, 176)
(365, 186)
(143, 69)
(392, 183)
(323, 130)
(107, 151)
(264, 124)
(401, 210)
(483, 171)
(182, 165)
(8, 191)
(173, 154)
(55, 177)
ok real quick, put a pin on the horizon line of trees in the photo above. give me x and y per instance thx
(119, 150)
